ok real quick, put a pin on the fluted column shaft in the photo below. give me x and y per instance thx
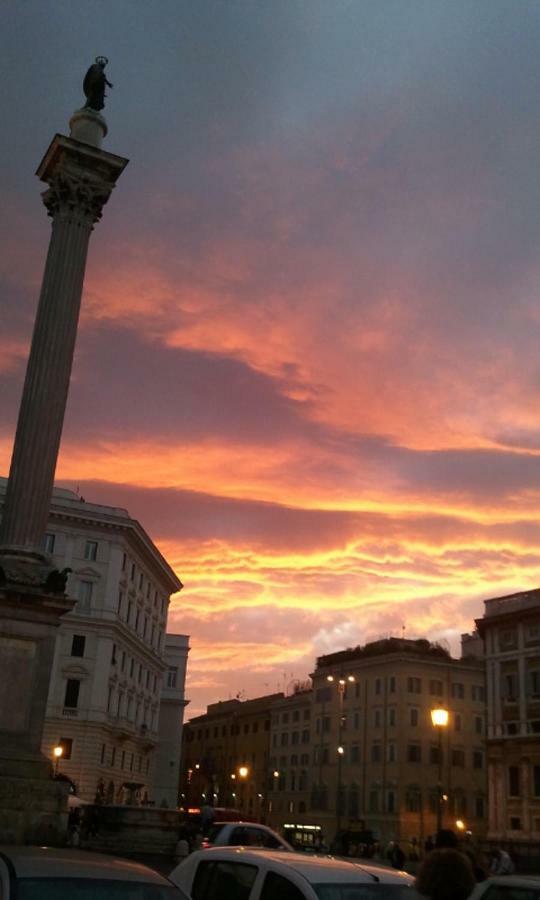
(41, 415)
(80, 180)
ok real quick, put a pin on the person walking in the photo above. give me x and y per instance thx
(445, 875)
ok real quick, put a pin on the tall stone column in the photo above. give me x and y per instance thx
(80, 177)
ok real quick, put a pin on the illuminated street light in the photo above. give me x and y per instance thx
(197, 765)
(57, 753)
(329, 677)
(439, 718)
(460, 825)
(341, 750)
(243, 771)
(233, 776)
(276, 773)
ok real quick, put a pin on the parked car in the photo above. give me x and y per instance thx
(223, 873)
(45, 873)
(508, 887)
(243, 834)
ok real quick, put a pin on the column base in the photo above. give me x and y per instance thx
(33, 808)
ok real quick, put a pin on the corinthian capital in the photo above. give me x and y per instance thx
(75, 197)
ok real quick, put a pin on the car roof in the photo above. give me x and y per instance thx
(314, 868)
(52, 862)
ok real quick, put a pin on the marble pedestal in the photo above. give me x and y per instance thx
(32, 805)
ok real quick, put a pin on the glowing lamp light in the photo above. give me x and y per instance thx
(58, 751)
(233, 776)
(329, 677)
(276, 774)
(197, 765)
(243, 771)
(460, 825)
(439, 717)
(341, 750)
(351, 678)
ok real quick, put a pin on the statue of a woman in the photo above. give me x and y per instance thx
(94, 84)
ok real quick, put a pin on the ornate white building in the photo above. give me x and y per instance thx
(111, 656)
(510, 629)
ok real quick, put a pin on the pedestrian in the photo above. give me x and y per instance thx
(445, 875)
(182, 847)
(446, 838)
(500, 863)
(397, 856)
(429, 844)
(74, 826)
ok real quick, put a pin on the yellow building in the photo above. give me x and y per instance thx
(366, 725)
(372, 734)
(225, 756)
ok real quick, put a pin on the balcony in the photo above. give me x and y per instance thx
(69, 712)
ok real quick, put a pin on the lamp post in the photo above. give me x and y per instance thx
(243, 773)
(439, 718)
(341, 686)
(57, 753)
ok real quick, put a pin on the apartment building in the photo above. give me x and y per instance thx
(373, 750)
(109, 664)
(290, 768)
(226, 753)
(510, 629)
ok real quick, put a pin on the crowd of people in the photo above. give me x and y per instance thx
(450, 869)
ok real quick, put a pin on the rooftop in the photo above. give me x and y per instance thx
(420, 647)
(510, 603)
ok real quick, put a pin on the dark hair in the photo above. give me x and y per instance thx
(445, 875)
(446, 838)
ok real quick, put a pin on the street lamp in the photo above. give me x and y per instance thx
(341, 686)
(57, 753)
(243, 772)
(439, 718)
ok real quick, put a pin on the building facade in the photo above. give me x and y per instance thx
(109, 663)
(291, 759)
(359, 750)
(377, 761)
(171, 718)
(225, 757)
(510, 629)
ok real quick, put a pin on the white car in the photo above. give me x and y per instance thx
(508, 887)
(45, 873)
(241, 874)
(244, 834)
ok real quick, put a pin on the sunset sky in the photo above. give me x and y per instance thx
(309, 352)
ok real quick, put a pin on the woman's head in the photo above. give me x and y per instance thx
(445, 875)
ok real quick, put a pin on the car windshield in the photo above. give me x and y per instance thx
(94, 889)
(213, 832)
(369, 891)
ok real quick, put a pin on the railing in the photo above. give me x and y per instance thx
(69, 712)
